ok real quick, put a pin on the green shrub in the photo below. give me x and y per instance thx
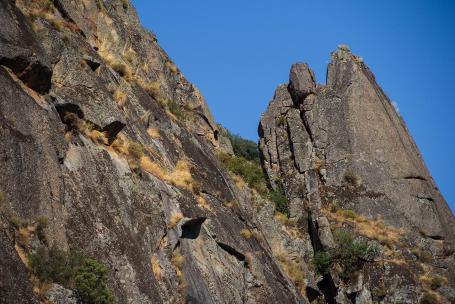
(51, 264)
(74, 270)
(322, 262)
(349, 253)
(278, 197)
(250, 171)
(90, 283)
(245, 148)
(349, 214)
(2, 198)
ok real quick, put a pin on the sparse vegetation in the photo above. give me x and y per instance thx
(74, 270)
(152, 88)
(351, 214)
(176, 110)
(250, 171)
(278, 197)
(156, 268)
(153, 132)
(245, 233)
(177, 261)
(350, 254)
(175, 219)
(120, 97)
(281, 121)
(245, 148)
(41, 224)
(423, 255)
(373, 229)
(292, 267)
(322, 261)
(351, 179)
(172, 67)
(135, 150)
(429, 297)
(16, 222)
(433, 282)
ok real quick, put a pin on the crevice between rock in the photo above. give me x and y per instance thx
(232, 251)
(192, 228)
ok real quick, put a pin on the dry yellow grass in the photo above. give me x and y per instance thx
(153, 168)
(283, 219)
(231, 204)
(432, 282)
(318, 164)
(291, 267)
(115, 62)
(172, 67)
(245, 233)
(23, 236)
(152, 88)
(177, 261)
(120, 97)
(203, 203)
(153, 133)
(156, 268)
(373, 229)
(97, 136)
(130, 55)
(69, 136)
(239, 182)
(181, 175)
(175, 219)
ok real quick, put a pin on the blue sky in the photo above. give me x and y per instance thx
(237, 52)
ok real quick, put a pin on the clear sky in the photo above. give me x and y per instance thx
(238, 51)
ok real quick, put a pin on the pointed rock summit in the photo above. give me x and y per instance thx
(343, 146)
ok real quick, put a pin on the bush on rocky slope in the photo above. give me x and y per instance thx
(350, 254)
(74, 270)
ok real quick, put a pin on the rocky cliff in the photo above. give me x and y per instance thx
(346, 161)
(112, 189)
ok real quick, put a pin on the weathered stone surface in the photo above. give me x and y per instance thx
(20, 49)
(301, 82)
(343, 145)
(117, 171)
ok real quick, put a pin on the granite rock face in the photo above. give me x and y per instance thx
(343, 146)
(102, 135)
(106, 148)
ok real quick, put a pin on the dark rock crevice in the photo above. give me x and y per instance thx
(192, 228)
(232, 251)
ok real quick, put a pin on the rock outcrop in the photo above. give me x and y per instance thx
(103, 136)
(111, 189)
(343, 146)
